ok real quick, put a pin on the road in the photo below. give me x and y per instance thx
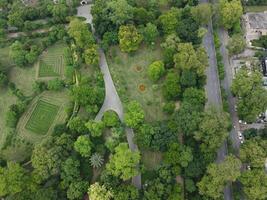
(112, 100)
(213, 91)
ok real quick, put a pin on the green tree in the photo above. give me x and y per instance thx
(49, 154)
(3, 79)
(150, 33)
(171, 86)
(99, 192)
(123, 163)
(12, 179)
(230, 12)
(134, 115)
(77, 190)
(96, 160)
(156, 70)
(178, 156)
(79, 31)
(96, 128)
(121, 11)
(202, 13)
(213, 130)
(254, 184)
(55, 84)
(236, 44)
(169, 21)
(218, 175)
(70, 172)
(77, 125)
(111, 119)
(60, 12)
(91, 56)
(252, 97)
(83, 145)
(254, 153)
(124, 192)
(17, 53)
(129, 38)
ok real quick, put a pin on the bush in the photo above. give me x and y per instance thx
(111, 118)
(55, 84)
(156, 70)
(169, 107)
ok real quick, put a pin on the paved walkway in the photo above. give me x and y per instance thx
(112, 100)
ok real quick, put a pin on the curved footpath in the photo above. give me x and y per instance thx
(112, 100)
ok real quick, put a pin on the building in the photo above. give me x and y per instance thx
(256, 25)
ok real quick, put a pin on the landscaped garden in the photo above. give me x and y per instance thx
(51, 62)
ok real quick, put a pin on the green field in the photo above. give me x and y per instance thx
(42, 117)
(51, 62)
(129, 73)
(255, 8)
(5, 59)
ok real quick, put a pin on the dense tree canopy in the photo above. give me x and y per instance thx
(134, 115)
(123, 163)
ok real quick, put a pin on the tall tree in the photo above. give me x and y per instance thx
(123, 163)
(99, 192)
(134, 115)
(218, 175)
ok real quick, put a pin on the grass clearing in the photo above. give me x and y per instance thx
(255, 8)
(44, 112)
(51, 62)
(24, 79)
(5, 59)
(42, 117)
(151, 159)
(129, 73)
(6, 99)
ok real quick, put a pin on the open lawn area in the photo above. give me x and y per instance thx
(51, 62)
(151, 159)
(5, 59)
(6, 99)
(255, 8)
(44, 112)
(129, 73)
(24, 78)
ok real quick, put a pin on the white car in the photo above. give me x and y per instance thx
(240, 136)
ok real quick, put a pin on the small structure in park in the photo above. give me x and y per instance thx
(84, 2)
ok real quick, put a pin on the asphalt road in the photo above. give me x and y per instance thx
(213, 91)
(112, 100)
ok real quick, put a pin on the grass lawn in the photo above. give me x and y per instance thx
(255, 8)
(5, 59)
(42, 117)
(24, 79)
(51, 62)
(44, 112)
(6, 99)
(151, 159)
(129, 73)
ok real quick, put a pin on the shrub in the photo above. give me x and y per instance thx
(111, 118)
(156, 70)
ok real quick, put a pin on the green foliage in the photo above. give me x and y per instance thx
(55, 84)
(150, 33)
(111, 119)
(17, 53)
(77, 125)
(213, 130)
(254, 184)
(77, 189)
(156, 70)
(254, 152)
(69, 172)
(218, 175)
(129, 38)
(12, 179)
(230, 12)
(126, 192)
(134, 115)
(169, 107)
(236, 44)
(99, 192)
(83, 145)
(252, 97)
(202, 13)
(96, 160)
(96, 128)
(60, 12)
(123, 163)
(3, 79)
(79, 31)
(169, 21)
(178, 156)
(171, 86)
(91, 56)
(48, 155)
(121, 11)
